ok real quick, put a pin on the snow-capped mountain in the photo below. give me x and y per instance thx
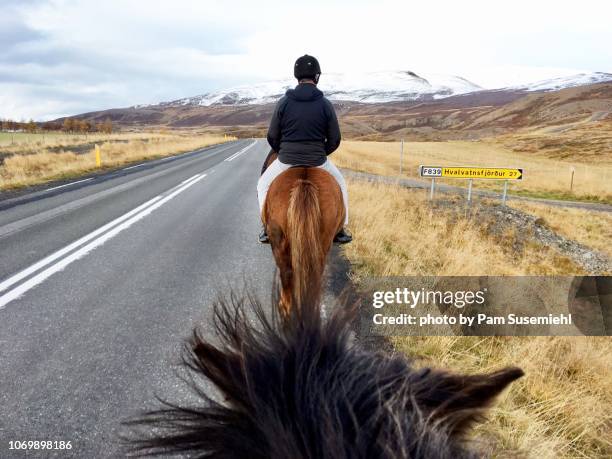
(554, 84)
(444, 107)
(374, 87)
(377, 87)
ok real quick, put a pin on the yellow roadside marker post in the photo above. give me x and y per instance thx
(98, 156)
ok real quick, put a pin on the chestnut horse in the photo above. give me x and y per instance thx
(302, 213)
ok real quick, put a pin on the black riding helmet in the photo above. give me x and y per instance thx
(307, 67)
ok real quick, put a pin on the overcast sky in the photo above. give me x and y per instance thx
(63, 57)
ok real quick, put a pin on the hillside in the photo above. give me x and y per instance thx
(483, 114)
(422, 112)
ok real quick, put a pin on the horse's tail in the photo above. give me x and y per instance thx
(304, 234)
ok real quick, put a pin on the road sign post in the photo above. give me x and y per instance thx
(469, 197)
(505, 194)
(433, 186)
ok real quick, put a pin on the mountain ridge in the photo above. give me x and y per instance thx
(375, 87)
(369, 87)
(469, 115)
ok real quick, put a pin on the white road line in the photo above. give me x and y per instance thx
(54, 256)
(121, 223)
(187, 180)
(235, 155)
(68, 184)
(238, 153)
(75, 204)
(132, 167)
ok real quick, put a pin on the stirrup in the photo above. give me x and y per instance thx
(263, 237)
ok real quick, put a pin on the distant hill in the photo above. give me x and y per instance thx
(386, 105)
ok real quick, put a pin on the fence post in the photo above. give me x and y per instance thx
(402, 157)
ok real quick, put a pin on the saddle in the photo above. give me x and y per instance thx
(343, 236)
(269, 160)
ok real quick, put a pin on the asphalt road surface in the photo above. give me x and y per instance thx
(101, 279)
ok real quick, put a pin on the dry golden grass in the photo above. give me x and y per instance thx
(396, 233)
(542, 176)
(22, 169)
(22, 142)
(583, 141)
(591, 228)
(562, 407)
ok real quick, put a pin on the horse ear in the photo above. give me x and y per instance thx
(458, 401)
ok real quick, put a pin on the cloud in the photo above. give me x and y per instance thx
(71, 56)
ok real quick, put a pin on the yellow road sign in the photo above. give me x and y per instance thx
(495, 173)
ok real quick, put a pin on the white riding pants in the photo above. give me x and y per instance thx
(276, 168)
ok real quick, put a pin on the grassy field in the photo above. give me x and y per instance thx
(19, 139)
(593, 229)
(396, 233)
(543, 177)
(37, 159)
(562, 407)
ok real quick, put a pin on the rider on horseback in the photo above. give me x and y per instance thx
(304, 130)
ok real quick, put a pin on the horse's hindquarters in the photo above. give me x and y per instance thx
(329, 195)
(302, 213)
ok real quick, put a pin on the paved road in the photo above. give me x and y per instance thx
(89, 334)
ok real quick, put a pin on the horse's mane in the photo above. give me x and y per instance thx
(301, 388)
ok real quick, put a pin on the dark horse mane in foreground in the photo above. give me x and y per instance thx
(300, 388)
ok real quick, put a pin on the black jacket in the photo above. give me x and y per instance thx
(304, 127)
